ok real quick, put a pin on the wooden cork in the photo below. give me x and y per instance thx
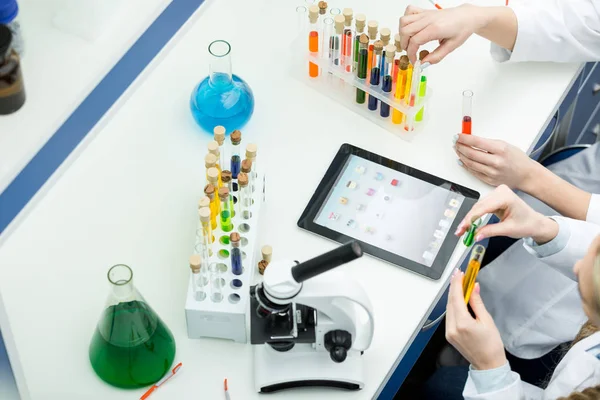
(423, 54)
(251, 150)
(224, 193)
(404, 61)
(213, 175)
(213, 147)
(398, 42)
(339, 24)
(219, 134)
(195, 263)
(236, 137)
(378, 47)
(210, 160)
(204, 214)
(242, 179)
(385, 34)
(313, 14)
(322, 7)
(347, 13)
(364, 39)
(372, 28)
(234, 237)
(267, 253)
(246, 166)
(390, 52)
(262, 266)
(209, 191)
(205, 201)
(360, 21)
(226, 176)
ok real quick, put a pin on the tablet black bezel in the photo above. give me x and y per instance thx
(307, 220)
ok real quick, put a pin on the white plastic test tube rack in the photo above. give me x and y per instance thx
(226, 319)
(338, 84)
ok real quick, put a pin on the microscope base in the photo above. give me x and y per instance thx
(303, 366)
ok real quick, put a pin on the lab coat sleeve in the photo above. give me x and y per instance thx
(515, 389)
(593, 213)
(580, 236)
(554, 30)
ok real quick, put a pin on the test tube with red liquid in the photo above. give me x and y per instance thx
(467, 106)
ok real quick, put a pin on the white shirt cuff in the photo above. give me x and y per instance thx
(491, 380)
(552, 247)
(593, 213)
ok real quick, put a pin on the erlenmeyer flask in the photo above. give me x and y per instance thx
(131, 347)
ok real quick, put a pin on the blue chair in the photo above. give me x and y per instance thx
(562, 154)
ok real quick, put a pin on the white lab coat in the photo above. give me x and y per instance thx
(536, 306)
(579, 369)
(554, 30)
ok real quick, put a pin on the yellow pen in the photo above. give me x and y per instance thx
(472, 270)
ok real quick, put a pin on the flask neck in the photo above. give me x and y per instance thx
(120, 278)
(220, 63)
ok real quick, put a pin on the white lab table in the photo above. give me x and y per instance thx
(130, 196)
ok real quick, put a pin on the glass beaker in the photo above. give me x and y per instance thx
(222, 98)
(131, 347)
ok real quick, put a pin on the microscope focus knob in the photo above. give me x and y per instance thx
(337, 343)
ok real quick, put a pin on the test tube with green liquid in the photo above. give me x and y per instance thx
(226, 211)
(469, 237)
(227, 182)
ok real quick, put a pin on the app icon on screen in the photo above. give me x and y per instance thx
(449, 213)
(360, 169)
(351, 223)
(453, 203)
(378, 176)
(435, 244)
(395, 182)
(428, 256)
(343, 200)
(438, 234)
(444, 223)
(369, 229)
(334, 216)
(361, 207)
(371, 192)
(351, 185)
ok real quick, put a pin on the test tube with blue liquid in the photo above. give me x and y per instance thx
(236, 160)
(236, 254)
(387, 79)
(375, 72)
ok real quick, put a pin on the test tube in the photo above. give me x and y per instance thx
(236, 254)
(204, 202)
(247, 168)
(327, 40)
(348, 40)
(386, 73)
(375, 72)
(313, 40)
(411, 99)
(372, 28)
(385, 35)
(215, 205)
(206, 236)
(301, 17)
(359, 27)
(469, 237)
(472, 270)
(219, 136)
(226, 225)
(197, 278)
(216, 283)
(334, 12)
(422, 87)
(398, 46)
(210, 161)
(227, 182)
(322, 11)
(213, 148)
(467, 109)
(245, 197)
(251, 151)
(339, 30)
(236, 139)
(401, 83)
(363, 57)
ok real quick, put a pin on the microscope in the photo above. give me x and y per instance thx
(310, 324)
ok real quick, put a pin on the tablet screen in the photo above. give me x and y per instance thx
(390, 210)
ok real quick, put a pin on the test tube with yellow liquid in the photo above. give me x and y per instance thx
(472, 270)
(402, 84)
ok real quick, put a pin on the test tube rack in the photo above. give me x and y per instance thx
(340, 85)
(227, 319)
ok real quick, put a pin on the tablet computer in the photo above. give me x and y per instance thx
(398, 213)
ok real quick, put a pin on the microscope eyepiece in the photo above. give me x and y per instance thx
(323, 263)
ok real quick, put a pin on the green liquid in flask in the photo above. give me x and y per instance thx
(131, 347)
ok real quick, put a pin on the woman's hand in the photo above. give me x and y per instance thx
(517, 219)
(496, 162)
(451, 27)
(477, 339)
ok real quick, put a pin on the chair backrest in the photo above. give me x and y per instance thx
(562, 154)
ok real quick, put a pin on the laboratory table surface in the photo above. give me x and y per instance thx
(128, 194)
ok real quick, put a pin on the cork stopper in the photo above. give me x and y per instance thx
(398, 42)
(267, 253)
(213, 147)
(223, 193)
(364, 39)
(385, 34)
(209, 191)
(262, 266)
(234, 237)
(360, 21)
(219, 134)
(372, 28)
(390, 52)
(204, 214)
(347, 13)
(339, 24)
(243, 179)
(226, 176)
(236, 137)
(246, 166)
(378, 47)
(213, 175)
(251, 150)
(423, 54)
(195, 263)
(313, 14)
(210, 161)
(204, 201)
(322, 7)
(404, 61)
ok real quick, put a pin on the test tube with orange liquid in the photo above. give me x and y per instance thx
(313, 39)
(472, 270)
(467, 106)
